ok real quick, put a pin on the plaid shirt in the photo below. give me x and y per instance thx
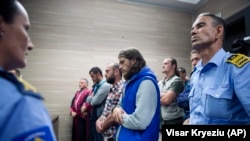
(111, 101)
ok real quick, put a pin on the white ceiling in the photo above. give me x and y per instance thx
(175, 4)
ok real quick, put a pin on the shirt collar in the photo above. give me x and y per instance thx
(217, 59)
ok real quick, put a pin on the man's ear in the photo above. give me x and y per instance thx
(117, 71)
(219, 31)
(133, 61)
(174, 66)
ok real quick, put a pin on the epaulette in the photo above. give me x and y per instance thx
(238, 60)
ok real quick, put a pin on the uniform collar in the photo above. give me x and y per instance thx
(216, 60)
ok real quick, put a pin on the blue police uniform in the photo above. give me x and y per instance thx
(23, 116)
(183, 101)
(220, 90)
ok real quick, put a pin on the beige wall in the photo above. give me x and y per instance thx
(72, 36)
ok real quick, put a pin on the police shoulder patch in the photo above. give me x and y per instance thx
(238, 60)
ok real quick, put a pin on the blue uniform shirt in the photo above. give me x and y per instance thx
(23, 115)
(220, 91)
(183, 101)
(182, 98)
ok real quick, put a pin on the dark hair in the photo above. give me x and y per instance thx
(133, 54)
(8, 10)
(174, 62)
(95, 70)
(216, 21)
(182, 70)
(116, 66)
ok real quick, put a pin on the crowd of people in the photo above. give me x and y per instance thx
(128, 103)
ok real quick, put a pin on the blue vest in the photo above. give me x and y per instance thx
(151, 133)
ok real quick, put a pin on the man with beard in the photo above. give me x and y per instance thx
(138, 112)
(96, 101)
(105, 123)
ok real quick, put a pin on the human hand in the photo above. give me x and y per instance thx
(85, 113)
(98, 125)
(117, 114)
(73, 114)
(83, 109)
(186, 122)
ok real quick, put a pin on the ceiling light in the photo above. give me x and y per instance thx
(190, 1)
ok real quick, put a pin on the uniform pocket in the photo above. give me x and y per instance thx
(218, 102)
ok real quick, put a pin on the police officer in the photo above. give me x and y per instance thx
(23, 115)
(220, 81)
